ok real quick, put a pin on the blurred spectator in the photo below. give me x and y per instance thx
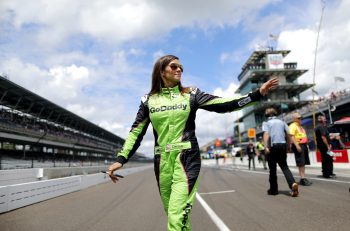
(261, 152)
(335, 141)
(250, 150)
(323, 144)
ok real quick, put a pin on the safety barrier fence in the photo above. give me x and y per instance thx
(20, 176)
(341, 160)
(20, 195)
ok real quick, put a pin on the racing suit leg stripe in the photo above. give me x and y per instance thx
(191, 162)
(156, 168)
(181, 202)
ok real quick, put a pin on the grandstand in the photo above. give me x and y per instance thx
(35, 132)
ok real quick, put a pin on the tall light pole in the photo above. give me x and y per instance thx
(314, 71)
(330, 108)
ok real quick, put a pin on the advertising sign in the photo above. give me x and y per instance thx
(217, 143)
(339, 156)
(251, 133)
(275, 61)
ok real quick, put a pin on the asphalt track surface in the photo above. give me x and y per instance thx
(236, 196)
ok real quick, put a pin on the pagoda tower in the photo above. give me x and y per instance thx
(260, 67)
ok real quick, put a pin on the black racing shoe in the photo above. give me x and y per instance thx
(272, 193)
(309, 181)
(305, 182)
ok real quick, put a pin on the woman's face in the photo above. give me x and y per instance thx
(171, 75)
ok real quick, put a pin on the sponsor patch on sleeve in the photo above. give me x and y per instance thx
(144, 98)
(244, 101)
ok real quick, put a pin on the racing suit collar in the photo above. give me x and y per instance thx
(169, 90)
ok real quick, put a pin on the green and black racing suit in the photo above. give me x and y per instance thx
(177, 159)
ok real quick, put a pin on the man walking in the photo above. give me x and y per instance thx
(276, 139)
(323, 144)
(300, 147)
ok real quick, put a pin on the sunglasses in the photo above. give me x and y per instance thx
(174, 67)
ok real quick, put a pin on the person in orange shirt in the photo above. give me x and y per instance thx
(300, 147)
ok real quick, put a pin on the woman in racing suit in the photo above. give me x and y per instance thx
(171, 108)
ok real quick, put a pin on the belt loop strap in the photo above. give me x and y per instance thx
(172, 147)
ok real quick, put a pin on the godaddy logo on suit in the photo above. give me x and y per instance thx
(167, 108)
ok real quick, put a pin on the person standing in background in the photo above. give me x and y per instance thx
(323, 144)
(217, 156)
(335, 141)
(300, 147)
(276, 139)
(261, 152)
(250, 150)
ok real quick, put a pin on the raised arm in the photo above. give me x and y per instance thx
(222, 105)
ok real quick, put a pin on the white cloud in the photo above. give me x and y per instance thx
(121, 21)
(114, 127)
(232, 57)
(86, 110)
(332, 57)
(70, 57)
(229, 92)
(302, 45)
(212, 125)
(59, 84)
(68, 80)
(24, 74)
(64, 87)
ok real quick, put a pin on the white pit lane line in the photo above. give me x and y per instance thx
(209, 193)
(215, 218)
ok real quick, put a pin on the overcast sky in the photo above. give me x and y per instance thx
(95, 57)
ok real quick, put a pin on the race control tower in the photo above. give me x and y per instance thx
(260, 67)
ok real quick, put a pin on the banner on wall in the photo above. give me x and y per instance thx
(339, 156)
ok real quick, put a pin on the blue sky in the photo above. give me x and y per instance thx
(95, 57)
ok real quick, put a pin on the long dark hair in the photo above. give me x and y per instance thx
(159, 66)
